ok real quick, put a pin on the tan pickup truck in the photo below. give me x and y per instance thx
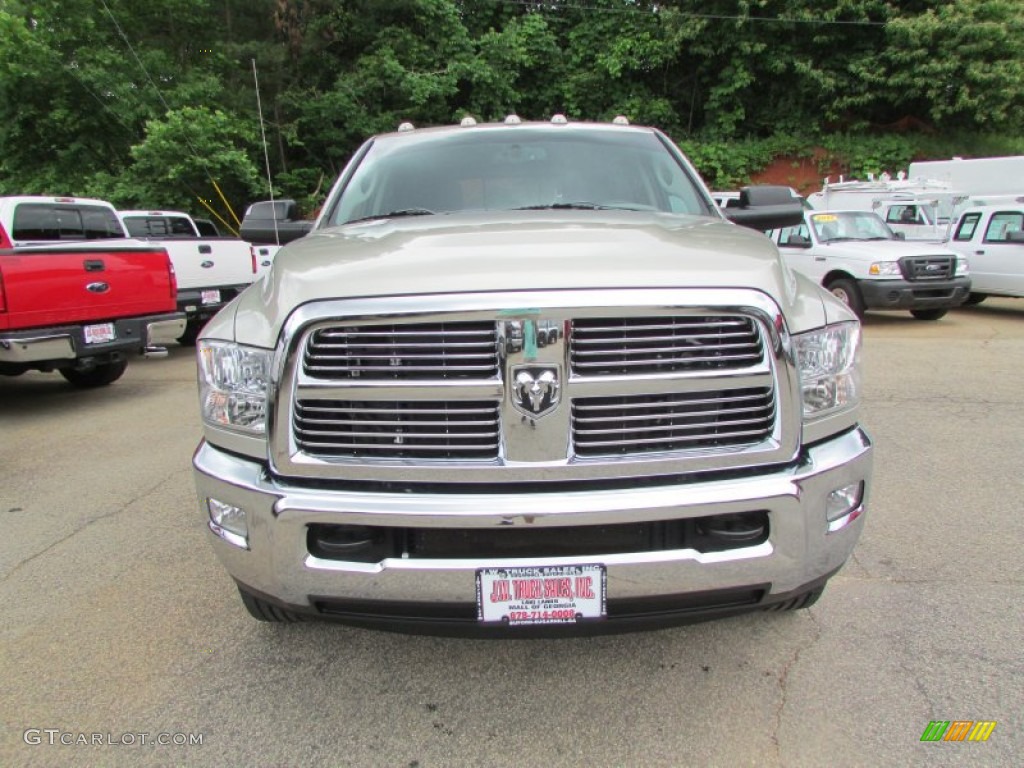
(527, 378)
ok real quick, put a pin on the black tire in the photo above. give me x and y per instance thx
(98, 376)
(798, 603)
(192, 329)
(261, 610)
(975, 298)
(848, 293)
(928, 314)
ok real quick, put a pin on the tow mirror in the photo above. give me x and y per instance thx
(766, 207)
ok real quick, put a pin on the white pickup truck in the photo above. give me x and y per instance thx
(992, 237)
(857, 257)
(210, 270)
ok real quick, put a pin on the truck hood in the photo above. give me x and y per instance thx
(882, 250)
(514, 251)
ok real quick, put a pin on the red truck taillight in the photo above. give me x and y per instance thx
(3, 300)
(172, 279)
(252, 254)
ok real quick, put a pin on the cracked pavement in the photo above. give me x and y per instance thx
(118, 619)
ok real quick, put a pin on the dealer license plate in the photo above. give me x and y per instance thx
(548, 594)
(99, 334)
(210, 297)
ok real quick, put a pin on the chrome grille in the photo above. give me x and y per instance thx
(650, 382)
(928, 267)
(397, 430)
(631, 345)
(421, 351)
(672, 422)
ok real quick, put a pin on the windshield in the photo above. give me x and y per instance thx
(850, 225)
(517, 169)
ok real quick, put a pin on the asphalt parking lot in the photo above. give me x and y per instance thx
(120, 624)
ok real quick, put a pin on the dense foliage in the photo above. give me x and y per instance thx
(153, 102)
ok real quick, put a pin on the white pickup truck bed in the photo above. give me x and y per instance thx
(210, 271)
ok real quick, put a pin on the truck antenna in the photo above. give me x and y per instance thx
(266, 154)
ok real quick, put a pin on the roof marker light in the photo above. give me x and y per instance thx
(559, 119)
(406, 127)
(513, 120)
(620, 120)
(468, 122)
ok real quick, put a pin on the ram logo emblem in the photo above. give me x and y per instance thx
(536, 389)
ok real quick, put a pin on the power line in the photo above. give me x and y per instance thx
(560, 5)
(160, 96)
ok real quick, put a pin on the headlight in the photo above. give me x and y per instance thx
(233, 385)
(885, 269)
(962, 269)
(829, 365)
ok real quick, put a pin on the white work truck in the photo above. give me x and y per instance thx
(992, 237)
(917, 210)
(211, 271)
(857, 257)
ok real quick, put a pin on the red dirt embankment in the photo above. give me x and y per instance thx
(801, 173)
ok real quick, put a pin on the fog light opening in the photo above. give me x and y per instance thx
(844, 505)
(228, 522)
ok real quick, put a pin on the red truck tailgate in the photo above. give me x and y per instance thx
(58, 284)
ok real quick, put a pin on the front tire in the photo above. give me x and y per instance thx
(97, 376)
(974, 299)
(192, 329)
(928, 314)
(847, 292)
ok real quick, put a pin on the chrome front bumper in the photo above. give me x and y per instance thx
(276, 563)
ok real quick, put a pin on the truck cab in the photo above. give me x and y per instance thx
(992, 237)
(857, 256)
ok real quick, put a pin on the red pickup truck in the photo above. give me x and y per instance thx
(86, 300)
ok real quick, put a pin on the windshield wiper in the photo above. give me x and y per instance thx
(581, 206)
(394, 214)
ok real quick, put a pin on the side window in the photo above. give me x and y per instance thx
(795, 237)
(1002, 224)
(903, 214)
(965, 229)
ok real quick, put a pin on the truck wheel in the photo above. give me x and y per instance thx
(975, 298)
(928, 314)
(99, 376)
(848, 293)
(264, 611)
(806, 600)
(192, 329)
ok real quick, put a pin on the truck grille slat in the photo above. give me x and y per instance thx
(631, 346)
(688, 401)
(422, 351)
(672, 422)
(924, 268)
(393, 430)
(653, 339)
